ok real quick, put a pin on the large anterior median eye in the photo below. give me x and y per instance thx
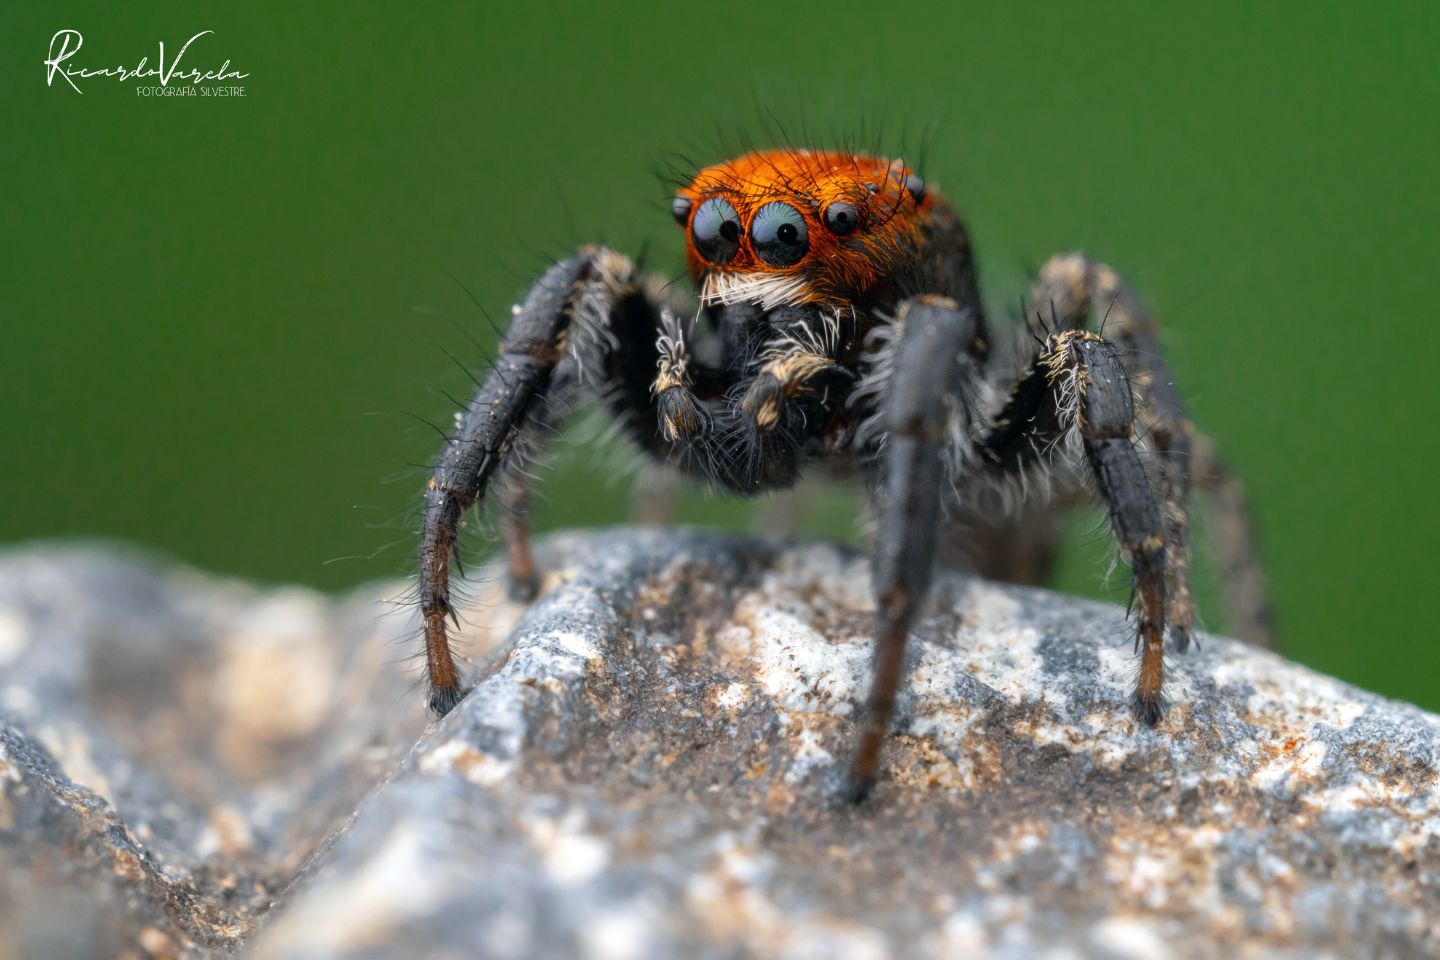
(716, 230)
(779, 235)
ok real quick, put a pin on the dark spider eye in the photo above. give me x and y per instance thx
(841, 218)
(716, 230)
(916, 186)
(680, 208)
(779, 234)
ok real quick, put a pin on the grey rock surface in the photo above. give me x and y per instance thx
(173, 746)
(648, 768)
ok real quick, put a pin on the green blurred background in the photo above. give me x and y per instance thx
(223, 317)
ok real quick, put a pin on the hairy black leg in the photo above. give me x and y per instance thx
(1079, 384)
(1071, 287)
(931, 349)
(558, 332)
(1105, 416)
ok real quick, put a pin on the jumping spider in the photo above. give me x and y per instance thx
(840, 321)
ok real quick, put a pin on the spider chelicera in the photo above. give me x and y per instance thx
(840, 323)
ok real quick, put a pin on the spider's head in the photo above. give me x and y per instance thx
(792, 227)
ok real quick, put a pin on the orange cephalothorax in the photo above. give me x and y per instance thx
(802, 226)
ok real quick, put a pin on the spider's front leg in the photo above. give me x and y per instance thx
(935, 347)
(1079, 383)
(559, 336)
(1071, 286)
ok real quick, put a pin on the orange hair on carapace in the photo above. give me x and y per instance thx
(891, 209)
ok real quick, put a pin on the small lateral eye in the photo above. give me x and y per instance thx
(680, 209)
(916, 186)
(841, 218)
(779, 234)
(716, 230)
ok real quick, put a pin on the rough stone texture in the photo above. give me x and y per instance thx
(648, 767)
(172, 747)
